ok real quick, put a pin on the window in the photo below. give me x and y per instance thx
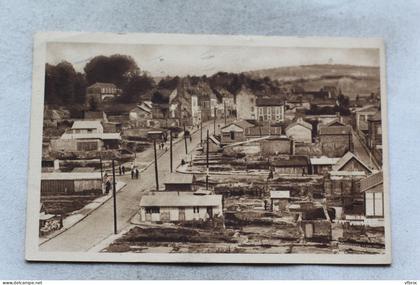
(374, 204)
(87, 146)
(152, 210)
(196, 209)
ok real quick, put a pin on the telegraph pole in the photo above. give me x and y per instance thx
(185, 140)
(114, 195)
(207, 161)
(214, 122)
(201, 131)
(170, 148)
(224, 107)
(102, 171)
(156, 166)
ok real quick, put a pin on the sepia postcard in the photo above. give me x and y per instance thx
(208, 149)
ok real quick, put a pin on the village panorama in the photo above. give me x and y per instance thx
(276, 160)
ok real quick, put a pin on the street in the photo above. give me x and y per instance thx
(99, 225)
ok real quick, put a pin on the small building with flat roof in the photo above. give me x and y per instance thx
(180, 182)
(61, 183)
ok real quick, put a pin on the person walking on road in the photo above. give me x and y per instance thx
(119, 170)
(132, 173)
(137, 173)
(123, 169)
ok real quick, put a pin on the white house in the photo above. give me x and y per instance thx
(87, 127)
(300, 131)
(179, 206)
(373, 189)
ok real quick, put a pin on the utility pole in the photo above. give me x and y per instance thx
(170, 148)
(207, 161)
(114, 195)
(185, 140)
(201, 131)
(224, 107)
(102, 171)
(156, 166)
(214, 122)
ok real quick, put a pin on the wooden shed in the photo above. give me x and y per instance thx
(59, 183)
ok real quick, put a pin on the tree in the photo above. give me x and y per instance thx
(63, 85)
(117, 69)
(136, 88)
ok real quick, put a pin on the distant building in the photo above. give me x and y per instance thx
(86, 136)
(315, 224)
(350, 162)
(279, 200)
(180, 182)
(141, 115)
(362, 115)
(374, 137)
(59, 183)
(300, 131)
(86, 127)
(262, 131)
(323, 164)
(100, 92)
(294, 164)
(373, 189)
(234, 132)
(179, 206)
(95, 116)
(270, 109)
(276, 145)
(335, 140)
(246, 105)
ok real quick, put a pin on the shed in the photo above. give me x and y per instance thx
(180, 182)
(279, 200)
(293, 164)
(373, 189)
(59, 183)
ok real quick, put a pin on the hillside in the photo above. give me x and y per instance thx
(351, 79)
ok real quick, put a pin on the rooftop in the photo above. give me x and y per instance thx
(280, 194)
(179, 178)
(70, 175)
(174, 199)
(323, 160)
(101, 136)
(371, 181)
(345, 159)
(102, 85)
(297, 160)
(88, 124)
(269, 101)
(334, 130)
(299, 122)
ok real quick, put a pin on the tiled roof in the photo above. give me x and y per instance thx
(299, 123)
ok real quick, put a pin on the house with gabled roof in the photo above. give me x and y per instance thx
(234, 132)
(335, 140)
(350, 162)
(141, 114)
(299, 131)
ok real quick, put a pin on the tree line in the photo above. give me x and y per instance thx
(64, 85)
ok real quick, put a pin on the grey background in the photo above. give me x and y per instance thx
(396, 21)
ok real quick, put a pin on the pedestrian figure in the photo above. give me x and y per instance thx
(132, 173)
(182, 161)
(119, 170)
(137, 173)
(123, 169)
(107, 187)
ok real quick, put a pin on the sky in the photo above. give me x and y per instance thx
(164, 60)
